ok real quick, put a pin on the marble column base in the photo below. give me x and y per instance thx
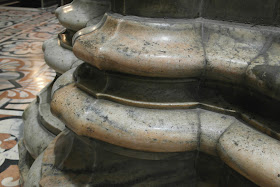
(34, 174)
(25, 161)
(58, 57)
(39, 120)
(164, 131)
(71, 161)
(76, 15)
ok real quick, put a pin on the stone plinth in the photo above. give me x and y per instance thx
(155, 93)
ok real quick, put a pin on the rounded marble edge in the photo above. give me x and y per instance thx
(50, 122)
(77, 14)
(65, 79)
(253, 154)
(152, 130)
(57, 57)
(25, 161)
(34, 174)
(233, 54)
(35, 144)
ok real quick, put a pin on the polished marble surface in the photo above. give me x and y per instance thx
(23, 73)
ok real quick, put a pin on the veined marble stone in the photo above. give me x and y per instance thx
(110, 164)
(25, 161)
(175, 130)
(154, 94)
(194, 48)
(38, 120)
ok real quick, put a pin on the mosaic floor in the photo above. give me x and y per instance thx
(23, 73)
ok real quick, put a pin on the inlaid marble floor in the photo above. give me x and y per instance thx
(23, 73)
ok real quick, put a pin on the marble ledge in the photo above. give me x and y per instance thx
(251, 153)
(153, 130)
(39, 120)
(145, 129)
(49, 121)
(194, 48)
(35, 145)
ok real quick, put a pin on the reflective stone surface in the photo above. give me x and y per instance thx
(163, 95)
(74, 16)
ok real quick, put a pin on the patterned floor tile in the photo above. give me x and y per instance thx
(23, 73)
(23, 49)
(10, 177)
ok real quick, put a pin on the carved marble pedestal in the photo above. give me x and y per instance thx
(151, 95)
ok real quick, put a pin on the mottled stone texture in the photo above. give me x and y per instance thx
(57, 56)
(174, 130)
(35, 144)
(166, 97)
(74, 161)
(25, 162)
(109, 168)
(230, 53)
(260, 154)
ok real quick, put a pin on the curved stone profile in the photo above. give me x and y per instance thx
(75, 16)
(72, 160)
(181, 130)
(144, 129)
(63, 80)
(57, 166)
(252, 154)
(47, 119)
(57, 57)
(65, 39)
(35, 144)
(143, 46)
(25, 161)
(159, 101)
(39, 120)
(195, 48)
(34, 174)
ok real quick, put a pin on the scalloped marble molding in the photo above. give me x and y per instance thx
(149, 129)
(233, 53)
(35, 173)
(179, 130)
(75, 16)
(91, 163)
(39, 120)
(57, 57)
(25, 161)
(47, 119)
(35, 145)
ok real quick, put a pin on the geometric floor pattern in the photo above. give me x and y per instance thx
(23, 73)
